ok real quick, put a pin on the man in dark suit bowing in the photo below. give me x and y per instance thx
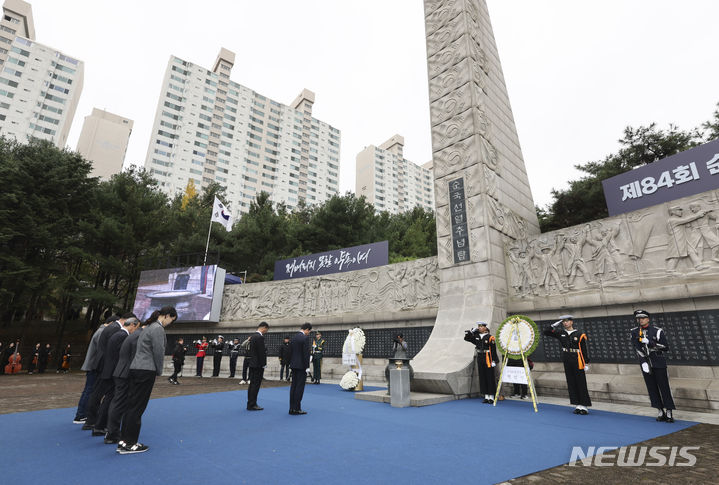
(299, 363)
(258, 361)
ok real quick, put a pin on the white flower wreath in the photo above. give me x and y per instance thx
(349, 381)
(356, 336)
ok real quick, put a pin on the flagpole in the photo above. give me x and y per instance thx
(207, 246)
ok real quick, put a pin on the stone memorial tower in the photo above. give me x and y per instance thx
(482, 194)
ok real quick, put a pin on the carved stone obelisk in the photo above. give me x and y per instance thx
(481, 189)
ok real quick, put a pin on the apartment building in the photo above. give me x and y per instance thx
(390, 182)
(103, 141)
(39, 85)
(209, 128)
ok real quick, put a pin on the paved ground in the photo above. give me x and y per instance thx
(22, 392)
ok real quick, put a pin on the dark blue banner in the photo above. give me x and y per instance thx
(337, 261)
(686, 173)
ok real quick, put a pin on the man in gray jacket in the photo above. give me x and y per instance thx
(92, 358)
(146, 365)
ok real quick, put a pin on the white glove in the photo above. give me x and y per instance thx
(586, 367)
(494, 364)
(307, 370)
(645, 367)
(644, 340)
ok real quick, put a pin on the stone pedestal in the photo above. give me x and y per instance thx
(399, 385)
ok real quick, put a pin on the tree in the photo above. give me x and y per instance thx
(128, 223)
(584, 200)
(190, 193)
(46, 192)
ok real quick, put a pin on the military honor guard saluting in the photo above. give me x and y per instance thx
(576, 361)
(650, 343)
(487, 359)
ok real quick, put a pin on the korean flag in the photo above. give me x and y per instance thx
(221, 214)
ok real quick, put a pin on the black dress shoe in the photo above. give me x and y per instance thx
(254, 408)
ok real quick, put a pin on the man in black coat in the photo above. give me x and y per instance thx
(178, 360)
(257, 363)
(120, 377)
(300, 348)
(284, 354)
(219, 346)
(109, 362)
(102, 386)
(43, 359)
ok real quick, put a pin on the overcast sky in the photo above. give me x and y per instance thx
(577, 72)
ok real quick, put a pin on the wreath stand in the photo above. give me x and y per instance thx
(530, 384)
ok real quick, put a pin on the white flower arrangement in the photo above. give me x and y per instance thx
(349, 381)
(355, 341)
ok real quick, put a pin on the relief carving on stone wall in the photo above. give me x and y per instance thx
(678, 239)
(396, 287)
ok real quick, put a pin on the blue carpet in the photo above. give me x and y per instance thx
(211, 439)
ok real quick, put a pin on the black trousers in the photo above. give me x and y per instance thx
(101, 421)
(245, 366)
(297, 389)
(178, 368)
(487, 382)
(255, 382)
(118, 406)
(102, 387)
(286, 369)
(200, 361)
(317, 368)
(233, 365)
(520, 389)
(216, 362)
(658, 387)
(576, 384)
(138, 395)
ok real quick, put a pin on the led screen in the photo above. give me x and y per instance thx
(194, 291)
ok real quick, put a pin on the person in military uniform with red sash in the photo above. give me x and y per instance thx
(576, 360)
(486, 351)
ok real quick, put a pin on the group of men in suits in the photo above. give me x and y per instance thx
(300, 348)
(122, 362)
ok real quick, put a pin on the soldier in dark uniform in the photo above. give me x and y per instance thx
(285, 353)
(234, 353)
(178, 360)
(486, 352)
(576, 358)
(318, 346)
(218, 345)
(650, 343)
